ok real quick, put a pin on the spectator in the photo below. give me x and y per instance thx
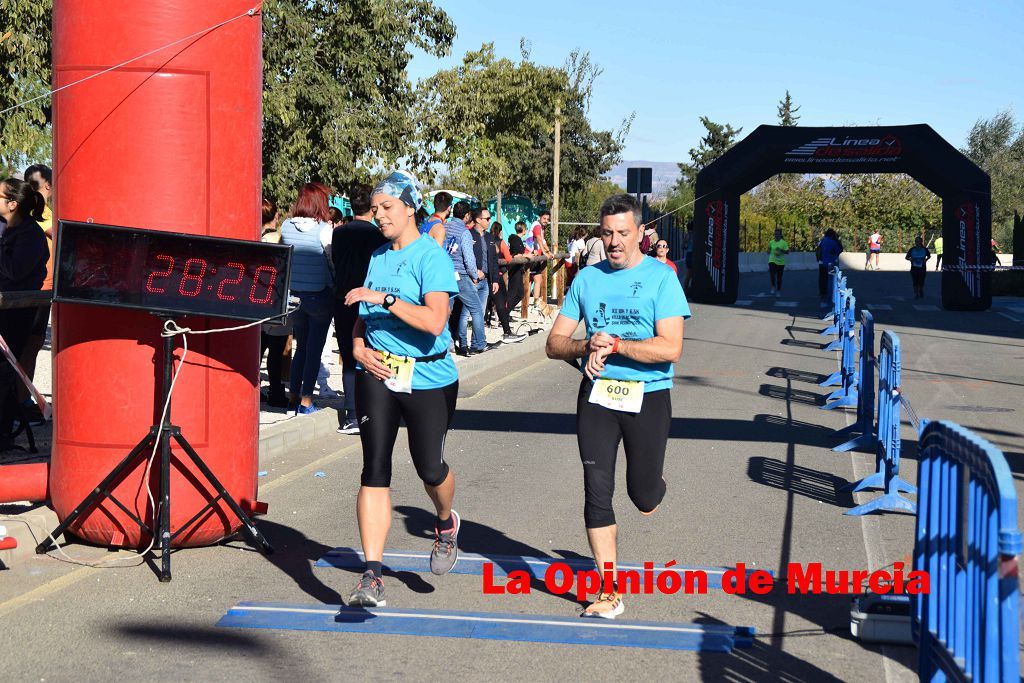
(434, 225)
(938, 252)
(650, 239)
(499, 290)
(538, 246)
(273, 337)
(828, 251)
(458, 242)
(335, 216)
(501, 297)
(351, 248)
(487, 266)
(661, 254)
(594, 251)
(918, 256)
(41, 179)
(995, 253)
(688, 255)
(309, 233)
(23, 255)
(576, 244)
(516, 247)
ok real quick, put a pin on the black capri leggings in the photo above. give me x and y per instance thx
(427, 413)
(599, 431)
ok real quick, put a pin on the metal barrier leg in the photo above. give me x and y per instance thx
(835, 379)
(849, 399)
(863, 441)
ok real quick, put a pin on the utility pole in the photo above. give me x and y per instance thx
(498, 210)
(558, 158)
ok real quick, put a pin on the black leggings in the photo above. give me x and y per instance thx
(775, 271)
(598, 432)
(427, 413)
(917, 275)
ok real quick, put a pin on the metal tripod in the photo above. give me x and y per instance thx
(161, 434)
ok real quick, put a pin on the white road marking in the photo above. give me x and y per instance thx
(925, 307)
(880, 307)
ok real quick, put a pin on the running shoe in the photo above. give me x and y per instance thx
(350, 426)
(512, 338)
(446, 547)
(306, 410)
(369, 592)
(607, 606)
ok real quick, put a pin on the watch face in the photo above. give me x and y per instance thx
(168, 272)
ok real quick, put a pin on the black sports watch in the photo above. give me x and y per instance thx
(389, 301)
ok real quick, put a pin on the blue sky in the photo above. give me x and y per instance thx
(897, 62)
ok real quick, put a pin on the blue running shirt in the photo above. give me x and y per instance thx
(627, 304)
(410, 273)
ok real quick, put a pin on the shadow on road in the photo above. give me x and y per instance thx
(761, 661)
(482, 540)
(811, 483)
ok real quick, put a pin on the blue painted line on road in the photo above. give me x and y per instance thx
(488, 626)
(473, 564)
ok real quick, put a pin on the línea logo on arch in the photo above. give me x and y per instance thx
(848, 149)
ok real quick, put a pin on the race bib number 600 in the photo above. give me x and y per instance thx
(618, 394)
(401, 368)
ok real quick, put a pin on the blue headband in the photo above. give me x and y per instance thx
(401, 184)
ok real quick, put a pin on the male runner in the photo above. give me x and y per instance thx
(633, 309)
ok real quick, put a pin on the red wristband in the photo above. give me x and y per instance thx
(615, 346)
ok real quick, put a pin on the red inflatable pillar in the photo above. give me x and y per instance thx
(168, 142)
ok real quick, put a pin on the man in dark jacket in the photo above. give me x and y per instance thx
(486, 251)
(351, 247)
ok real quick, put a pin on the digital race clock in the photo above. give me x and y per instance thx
(169, 272)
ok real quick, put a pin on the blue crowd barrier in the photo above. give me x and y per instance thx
(836, 284)
(847, 394)
(865, 424)
(888, 442)
(966, 626)
(842, 323)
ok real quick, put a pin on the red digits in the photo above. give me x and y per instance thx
(231, 281)
(269, 285)
(157, 273)
(187, 277)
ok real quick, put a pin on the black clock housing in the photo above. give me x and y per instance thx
(170, 272)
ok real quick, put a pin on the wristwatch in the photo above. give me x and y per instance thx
(389, 301)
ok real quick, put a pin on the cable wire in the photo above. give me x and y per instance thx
(248, 13)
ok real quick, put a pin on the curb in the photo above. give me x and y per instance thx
(28, 529)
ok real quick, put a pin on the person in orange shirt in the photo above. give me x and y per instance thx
(40, 177)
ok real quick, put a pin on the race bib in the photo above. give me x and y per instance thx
(617, 394)
(401, 368)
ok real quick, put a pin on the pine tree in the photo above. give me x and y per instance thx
(787, 112)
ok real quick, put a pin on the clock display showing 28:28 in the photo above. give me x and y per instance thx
(181, 276)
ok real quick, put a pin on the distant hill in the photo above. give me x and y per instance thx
(665, 174)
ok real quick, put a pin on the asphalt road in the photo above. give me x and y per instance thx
(751, 479)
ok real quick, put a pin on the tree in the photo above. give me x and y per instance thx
(718, 139)
(997, 146)
(787, 112)
(336, 96)
(490, 121)
(25, 132)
